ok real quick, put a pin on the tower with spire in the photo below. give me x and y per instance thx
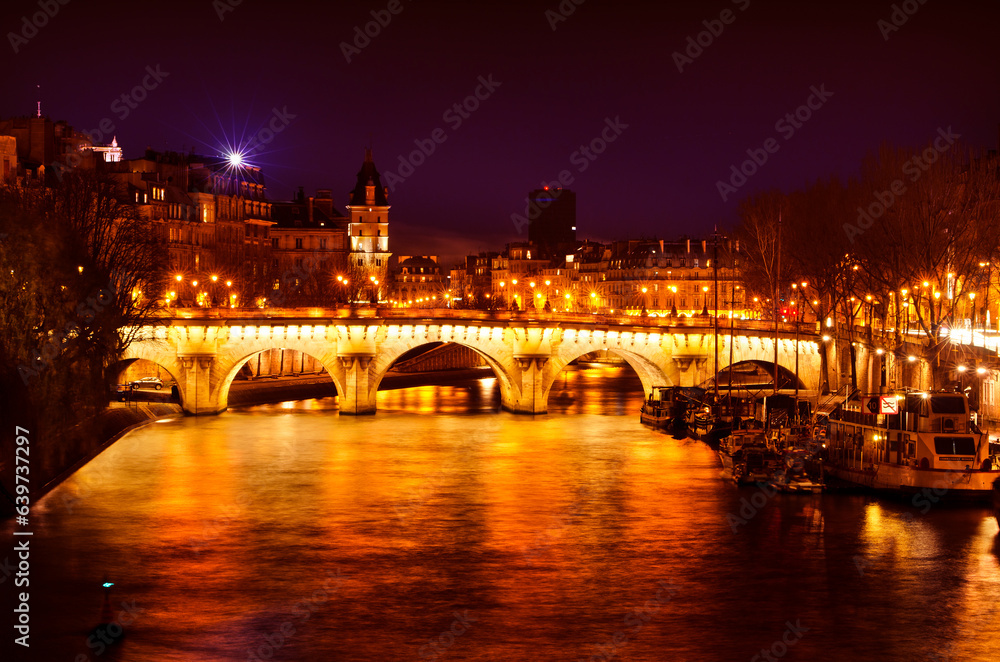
(368, 232)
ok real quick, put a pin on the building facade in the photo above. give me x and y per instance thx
(368, 233)
(552, 220)
(309, 244)
(418, 282)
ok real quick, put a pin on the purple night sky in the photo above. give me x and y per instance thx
(222, 80)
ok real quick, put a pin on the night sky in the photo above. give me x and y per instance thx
(283, 66)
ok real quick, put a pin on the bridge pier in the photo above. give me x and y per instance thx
(358, 397)
(199, 395)
(529, 394)
(690, 369)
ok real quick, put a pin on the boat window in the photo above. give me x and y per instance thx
(948, 404)
(954, 446)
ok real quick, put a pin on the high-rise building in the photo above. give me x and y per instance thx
(552, 220)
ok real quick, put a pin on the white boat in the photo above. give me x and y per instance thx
(929, 448)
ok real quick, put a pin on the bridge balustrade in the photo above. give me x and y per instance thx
(204, 348)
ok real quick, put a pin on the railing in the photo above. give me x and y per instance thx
(829, 403)
(703, 323)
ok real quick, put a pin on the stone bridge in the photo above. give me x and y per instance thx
(203, 349)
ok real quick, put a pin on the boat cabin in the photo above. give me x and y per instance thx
(930, 431)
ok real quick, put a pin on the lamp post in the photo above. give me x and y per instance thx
(905, 304)
(796, 312)
(972, 317)
(179, 293)
(214, 298)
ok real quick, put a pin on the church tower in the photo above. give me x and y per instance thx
(368, 229)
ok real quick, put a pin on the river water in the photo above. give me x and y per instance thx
(443, 529)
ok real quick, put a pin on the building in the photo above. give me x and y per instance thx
(215, 220)
(419, 283)
(513, 271)
(660, 278)
(44, 148)
(552, 216)
(368, 232)
(309, 243)
(471, 283)
(109, 153)
(8, 158)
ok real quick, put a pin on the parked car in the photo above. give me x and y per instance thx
(147, 382)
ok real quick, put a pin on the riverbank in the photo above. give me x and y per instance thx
(56, 459)
(53, 462)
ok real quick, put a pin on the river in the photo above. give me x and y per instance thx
(442, 528)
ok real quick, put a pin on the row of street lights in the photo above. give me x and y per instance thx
(205, 292)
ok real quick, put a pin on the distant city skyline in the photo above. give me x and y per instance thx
(646, 112)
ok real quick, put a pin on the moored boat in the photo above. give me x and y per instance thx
(755, 463)
(801, 471)
(664, 410)
(730, 445)
(929, 447)
(996, 499)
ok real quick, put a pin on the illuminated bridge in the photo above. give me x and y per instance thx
(204, 349)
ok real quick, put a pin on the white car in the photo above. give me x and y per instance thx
(147, 382)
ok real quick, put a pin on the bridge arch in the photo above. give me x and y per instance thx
(759, 352)
(755, 374)
(228, 367)
(152, 352)
(650, 374)
(384, 361)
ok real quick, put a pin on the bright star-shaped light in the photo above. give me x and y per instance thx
(235, 159)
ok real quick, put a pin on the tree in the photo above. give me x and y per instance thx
(81, 273)
(932, 221)
(758, 235)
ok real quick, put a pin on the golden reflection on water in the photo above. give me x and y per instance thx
(366, 534)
